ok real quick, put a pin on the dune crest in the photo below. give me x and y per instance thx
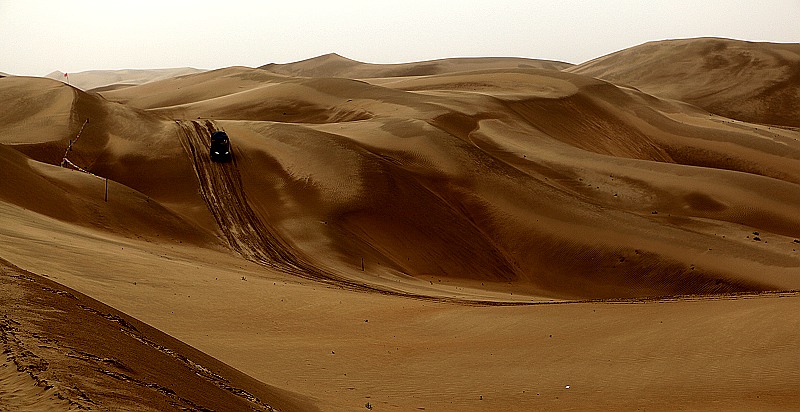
(476, 149)
(445, 175)
(749, 81)
(334, 65)
(94, 80)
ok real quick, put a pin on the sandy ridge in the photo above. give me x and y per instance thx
(334, 65)
(752, 81)
(111, 350)
(249, 236)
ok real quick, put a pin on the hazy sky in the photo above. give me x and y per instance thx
(38, 37)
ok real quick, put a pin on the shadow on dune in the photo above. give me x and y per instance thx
(559, 184)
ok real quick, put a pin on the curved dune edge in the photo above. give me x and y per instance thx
(749, 81)
(69, 351)
(562, 185)
(429, 159)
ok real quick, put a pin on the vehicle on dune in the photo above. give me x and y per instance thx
(220, 147)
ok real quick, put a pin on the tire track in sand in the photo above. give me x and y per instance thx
(222, 189)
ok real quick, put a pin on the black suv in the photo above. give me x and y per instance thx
(220, 147)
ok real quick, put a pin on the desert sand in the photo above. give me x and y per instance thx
(755, 82)
(460, 234)
(99, 80)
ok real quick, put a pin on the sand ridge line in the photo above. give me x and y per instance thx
(199, 370)
(255, 240)
(688, 297)
(36, 352)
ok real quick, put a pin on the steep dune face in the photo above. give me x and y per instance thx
(561, 184)
(34, 110)
(79, 198)
(138, 152)
(753, 82)
(334, 65)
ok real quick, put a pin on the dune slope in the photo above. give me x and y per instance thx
(86, 355)
(137, 152)
(753, 82)
(558, 184)
(563, 185)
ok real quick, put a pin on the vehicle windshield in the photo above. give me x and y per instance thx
(219, 137)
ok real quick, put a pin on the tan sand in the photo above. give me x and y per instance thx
(466, 175)
(98, 80)
(334, 65)
(754, 82)
(19, 392)
(373, 241)
(345, 348)
(66, 351)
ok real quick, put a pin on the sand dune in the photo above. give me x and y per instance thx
(334, 65)
(754, 82)
(379, 227)
(443, 176)
(99, 79)
(129, 147)
(84, 355)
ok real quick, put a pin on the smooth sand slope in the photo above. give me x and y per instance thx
(754, 82)
(373, 241)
